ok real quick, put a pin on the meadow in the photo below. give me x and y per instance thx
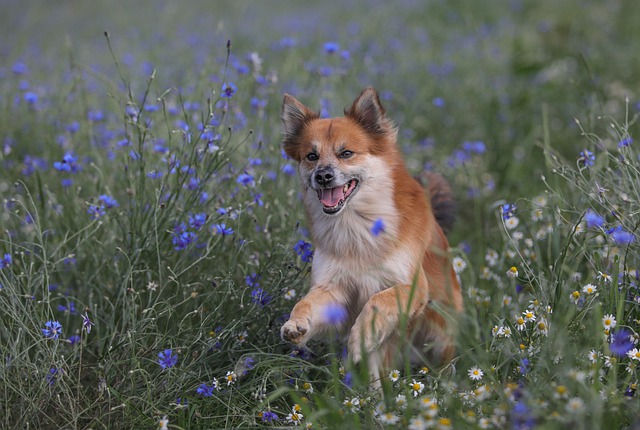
(152, 239)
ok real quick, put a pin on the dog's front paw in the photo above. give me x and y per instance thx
(365, 337)
(295, 331)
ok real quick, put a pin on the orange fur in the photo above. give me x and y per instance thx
(352, 175)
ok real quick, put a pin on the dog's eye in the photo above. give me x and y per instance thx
(312, 156)
(346, 154)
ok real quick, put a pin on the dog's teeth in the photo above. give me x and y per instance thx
(345, 188)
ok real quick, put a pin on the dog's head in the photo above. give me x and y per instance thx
(334, 154)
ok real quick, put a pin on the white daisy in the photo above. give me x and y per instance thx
(394, 375)
(459, 264)
(589, 289)
(609, 321)
(475, 373)
(416, 388)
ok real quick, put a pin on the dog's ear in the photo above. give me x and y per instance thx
(294, 116)
(367, 111)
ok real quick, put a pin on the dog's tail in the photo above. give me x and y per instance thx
(442, 203)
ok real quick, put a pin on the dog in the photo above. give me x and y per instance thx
(381, 255)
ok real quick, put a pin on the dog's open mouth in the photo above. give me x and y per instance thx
(333, 199)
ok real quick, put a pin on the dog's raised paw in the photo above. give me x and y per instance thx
(294, 331)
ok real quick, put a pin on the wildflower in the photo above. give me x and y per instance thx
(96, 211)
(444, 424)
(424, 370)
(334, 314)
(352, 405)
(245, 179)
(303, 249)
(260, 297)
(459, 264)
(163, 423)
(561, 392)
(574, 297)
(290, 295)
(604, 277)
(107, 201)
(307, 387)
(268, 416)
(508, 210)
(52, 375)
(378, 227)
(622, 237)
(419, 423)
(206, 390)
(228, 90)
(593, 219)
(529, 316)
(167, 359)
(295, 418)
(401, 401)
(52, 329)
(86, 323)
(575, 405)
(394, 375)
(475, 374)
(389, 418)
(331, 47)
(586, 158)
(512, 272)
(520, 323)
(196, 221)
(589, 289)
(222, 229)
(634, 354)
(491, 257)
(609, 321)
(416, 388)
(231, 377)
(593, 356)
(511, 222)
(6, 261)
(625, 142)
(542, 327)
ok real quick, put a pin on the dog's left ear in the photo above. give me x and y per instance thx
(367, 111)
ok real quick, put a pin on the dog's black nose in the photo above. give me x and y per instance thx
(324, 175)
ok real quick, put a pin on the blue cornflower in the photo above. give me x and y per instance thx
(252, 280)
(19, 68)
(74, 340)
(30, 97)
(193, 184)
(438, 102)
(245, 179)
(52, 329)
(196, 221)
(378, 227)
(331, 47)
(95, 115)
(184, 239)
(593, 219)
(508, 210)
(108, 201)
(587, 158)
(167, 359)
(622, 237)
(228, 90)
(222, 229)
(522, 417)
(70, 307)
(268, 416)
(52, 374)
(96, 211)
(205, 390)
(523, 368)
(86, 323)
(288, 169)
(334, 314)
(260, 297)
(476, 147)
(68, 163)
(6, 261)
(625, 142)
(303, 249)
(621, 342)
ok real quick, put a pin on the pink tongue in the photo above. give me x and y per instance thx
(331, 197)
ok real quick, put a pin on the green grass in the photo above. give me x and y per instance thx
(140, 116)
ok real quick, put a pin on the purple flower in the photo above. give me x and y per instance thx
(621, 342)
(260, 297)
(167, 359)
(197, 221)
(303, 249)
(508, 210)
(622, 237)
(182, 240)
(52, 329)
(96, 211)
(593, 219)
(269, 416)
(222, 229)
(334, 314)
(206, 390)
(586, 158)
(6, 261)
(625, 142)
(107, 201)
(331, 47)
(52, 374)
(245, 179)
(86, 323)
(378, 227)
(228, 90)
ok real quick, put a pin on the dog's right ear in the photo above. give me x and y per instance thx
(294, 116)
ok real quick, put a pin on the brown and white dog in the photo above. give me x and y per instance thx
(353, 177)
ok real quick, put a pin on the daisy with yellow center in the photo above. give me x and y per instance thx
(394, 375)
(231, 377)
(574, 297)
(520, 323)
(512, 272)
(475, 373)
(634, 354)
(416, 388)
(529, 316)
(609, 321)
(459, 264)
(589, 289)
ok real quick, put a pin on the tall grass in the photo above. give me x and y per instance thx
(153, 240)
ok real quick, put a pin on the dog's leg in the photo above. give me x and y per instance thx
(380, 316)
(308, 316)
